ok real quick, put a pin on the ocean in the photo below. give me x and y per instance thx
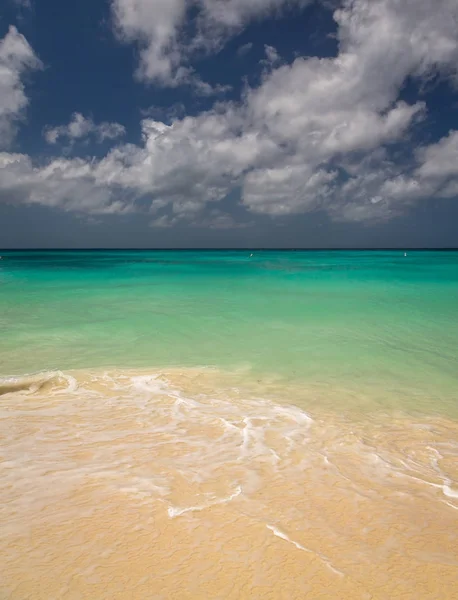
(229, 424)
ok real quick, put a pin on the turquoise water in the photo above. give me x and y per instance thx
(375, 323)
(319, 451)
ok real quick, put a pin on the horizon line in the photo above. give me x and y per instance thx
(234, 249)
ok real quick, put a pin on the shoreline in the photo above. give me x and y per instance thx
(105, 471)
(357, 401)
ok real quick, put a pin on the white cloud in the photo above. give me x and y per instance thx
(155, 25)
(67, 184)
(389, 190)
(158, 27)
(440, 160)
(321, 111)
(375, 30)
(435, 174)
(234, 14)
(194, 161)
(16, 58)
(287, 190)
(81, 127)
(314, 135)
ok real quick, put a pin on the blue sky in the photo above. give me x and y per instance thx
(184, 123)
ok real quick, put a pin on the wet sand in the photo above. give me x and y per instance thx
(201, 484)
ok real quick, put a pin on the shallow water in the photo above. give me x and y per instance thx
(202, 425)
(190, 484)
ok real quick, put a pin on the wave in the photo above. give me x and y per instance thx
(34, 382)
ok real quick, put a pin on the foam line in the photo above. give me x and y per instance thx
(177, 512)
(449, 492)
(283, 536)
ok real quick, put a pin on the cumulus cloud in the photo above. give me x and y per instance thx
(286, 190)
(349, 104)
(386, 189)
(316, 134)
(16, 59)
(188, 164)
(81, 127)
(162, 32)
(434, 174)
(440, 160)
(67, 184)
(167, 39)
(155, 26)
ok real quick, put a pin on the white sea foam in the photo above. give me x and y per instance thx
(147, 435)
(174, 511)
(128, 459)
(449, 492)
(283, 536)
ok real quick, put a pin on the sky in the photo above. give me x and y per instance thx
(228, 123)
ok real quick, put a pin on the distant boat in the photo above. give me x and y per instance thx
(405, 253)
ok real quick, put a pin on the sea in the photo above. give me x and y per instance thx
(228, 424)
